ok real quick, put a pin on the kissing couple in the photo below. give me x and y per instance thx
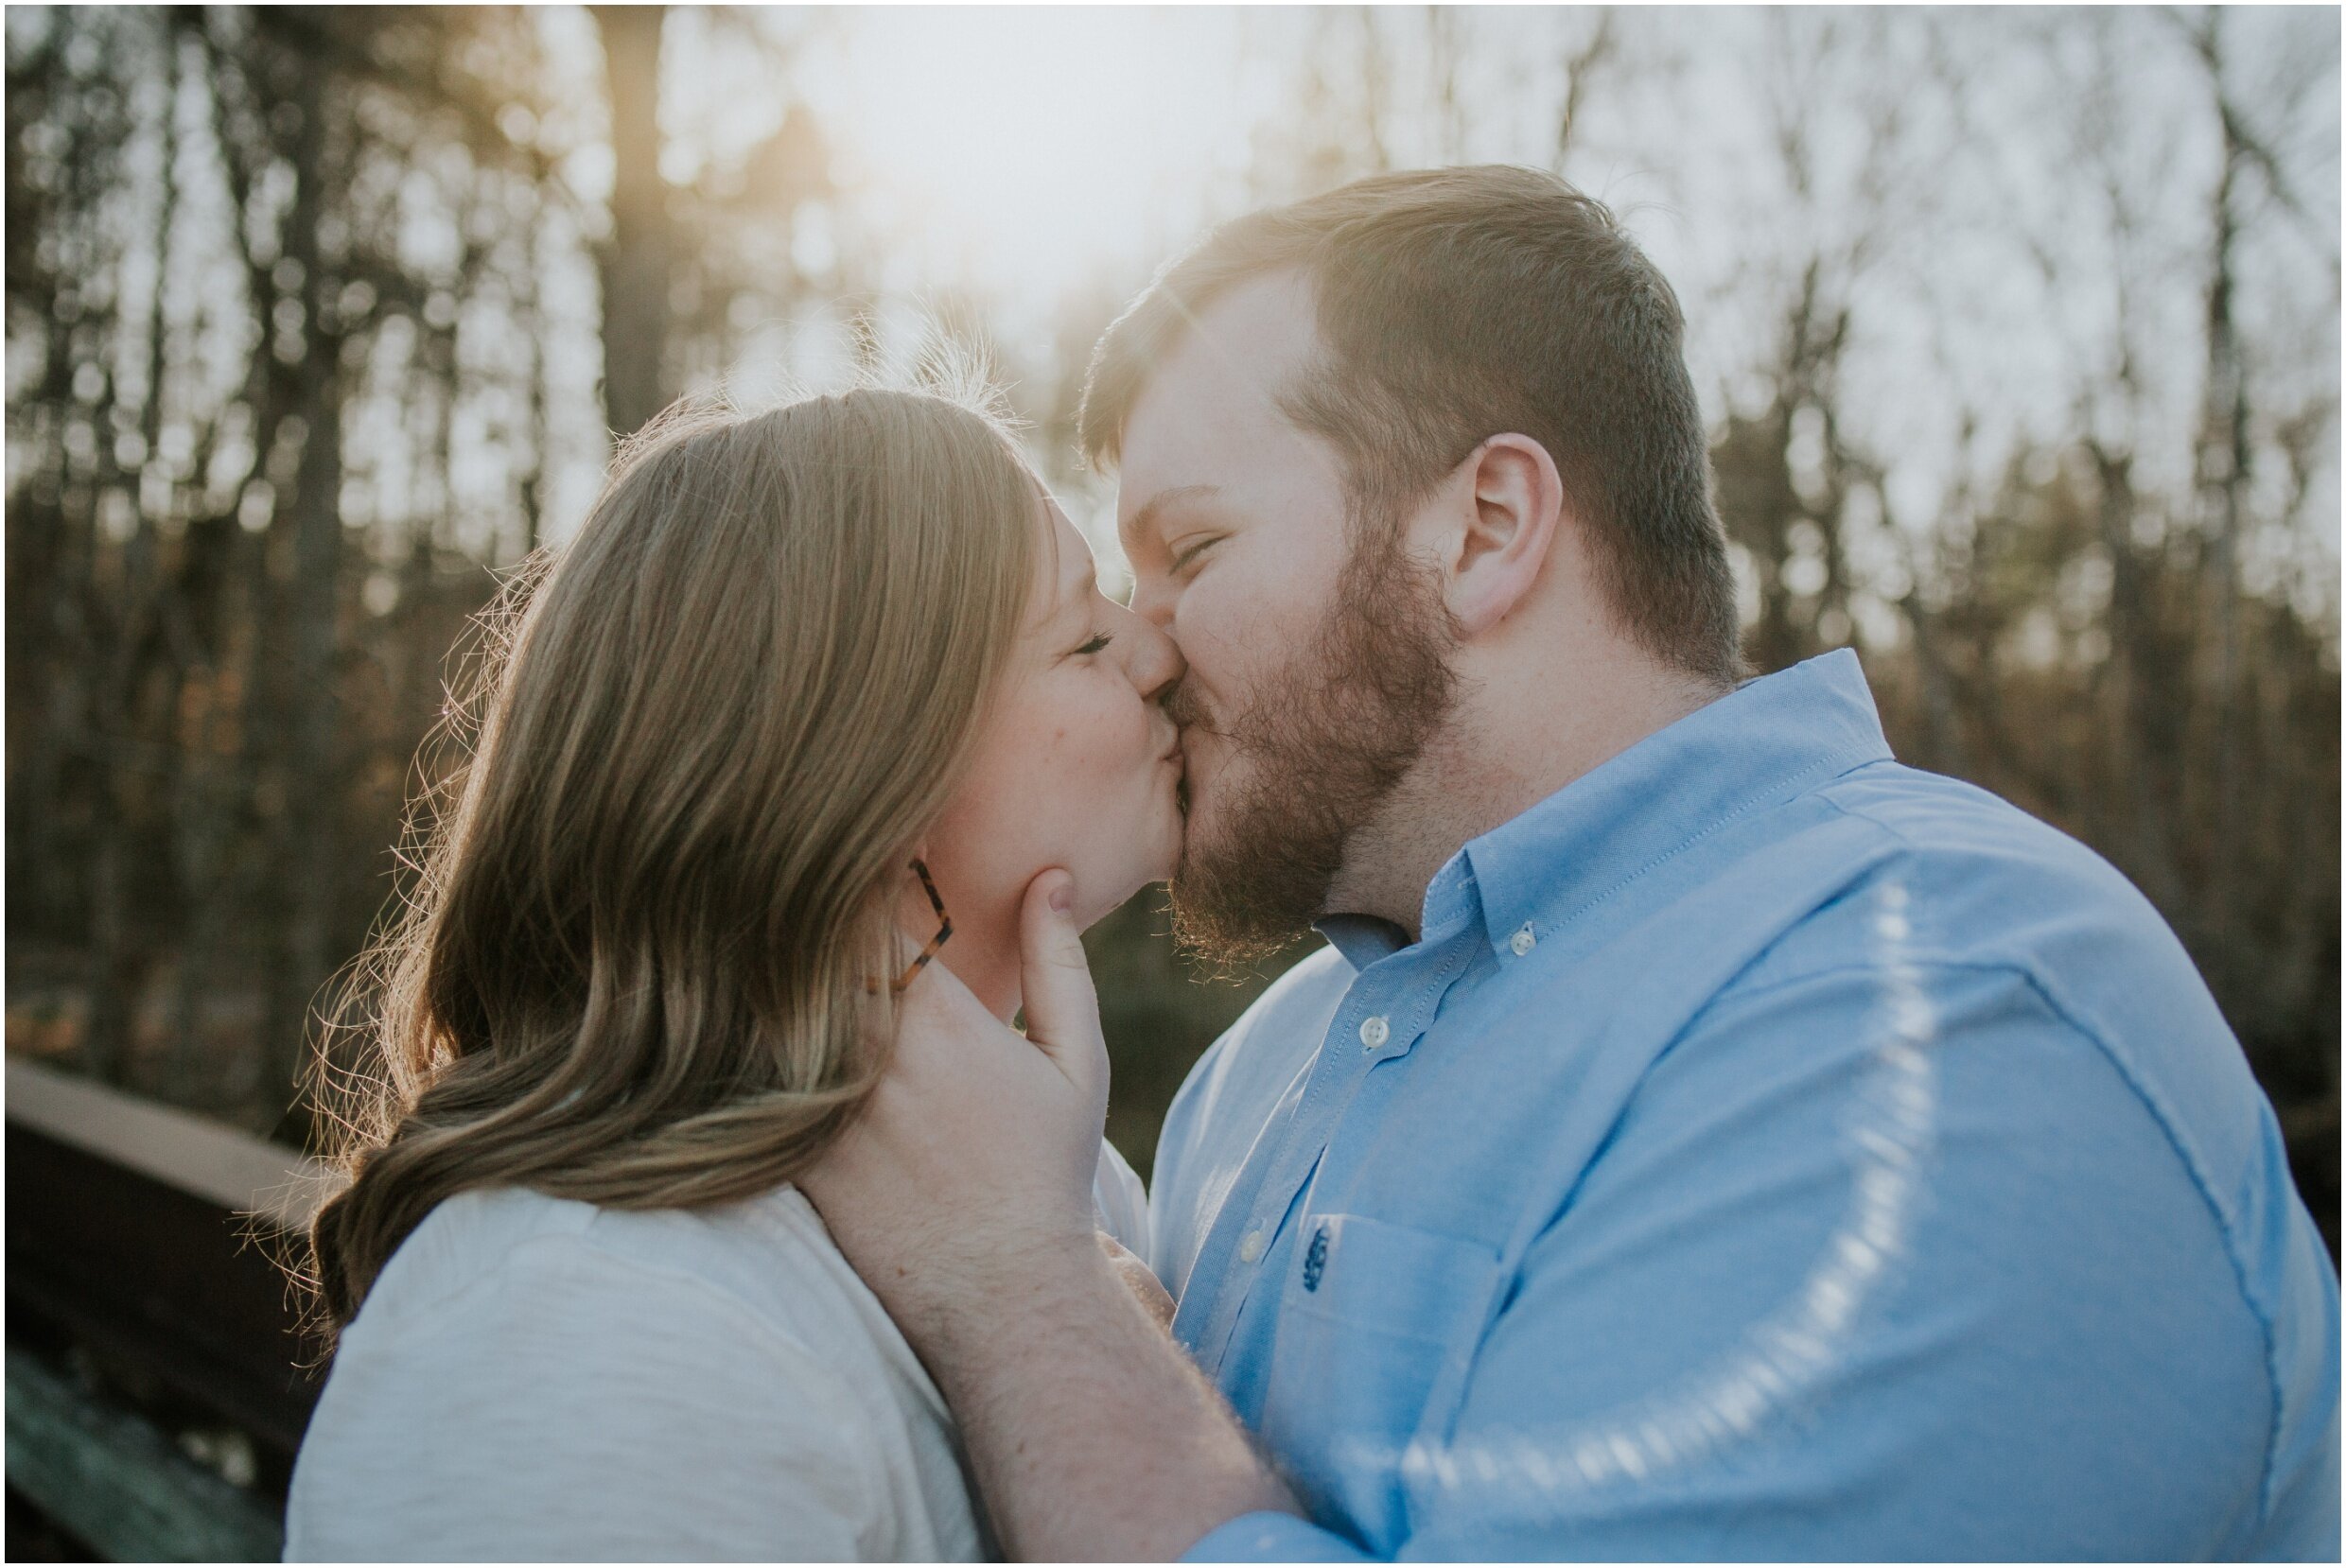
(1700, 1136)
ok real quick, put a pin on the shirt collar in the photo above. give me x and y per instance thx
(1451, 903)
(1759, 746)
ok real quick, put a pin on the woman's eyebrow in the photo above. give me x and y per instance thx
(1078, 577)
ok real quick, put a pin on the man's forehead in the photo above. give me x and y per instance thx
(1232, 365)
(1215, 404)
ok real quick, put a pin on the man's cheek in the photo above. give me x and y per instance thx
(1226, 665)
(1225, 622)
(1210, 759)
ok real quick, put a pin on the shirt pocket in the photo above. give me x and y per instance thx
(1371, 1314)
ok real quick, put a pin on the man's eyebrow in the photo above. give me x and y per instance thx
(1144, 522)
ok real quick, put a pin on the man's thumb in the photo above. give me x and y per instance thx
(1062, 1014)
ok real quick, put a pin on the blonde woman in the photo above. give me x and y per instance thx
(810, 702)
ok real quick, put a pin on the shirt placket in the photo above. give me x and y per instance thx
(1380, 1020)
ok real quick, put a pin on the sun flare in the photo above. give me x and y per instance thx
(1025, 148)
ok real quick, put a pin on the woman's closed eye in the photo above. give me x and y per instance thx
(1098, 641)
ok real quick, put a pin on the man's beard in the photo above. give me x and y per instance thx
(1323, 743)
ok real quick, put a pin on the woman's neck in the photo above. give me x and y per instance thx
(982, 952)
(991, 977)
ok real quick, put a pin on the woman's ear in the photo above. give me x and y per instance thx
(1512, 505)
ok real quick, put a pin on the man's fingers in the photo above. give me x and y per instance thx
(939, 999)
(1062, 1012)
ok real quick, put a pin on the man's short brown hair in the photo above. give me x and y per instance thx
(1457, 304)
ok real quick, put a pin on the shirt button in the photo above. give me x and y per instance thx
(1250, 1249)
(1522, 941)
(1375, 1032)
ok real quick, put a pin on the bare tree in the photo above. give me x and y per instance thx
(1582, 68)
(637, 258)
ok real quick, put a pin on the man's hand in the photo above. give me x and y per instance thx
(975, 1157)
(963, 1197)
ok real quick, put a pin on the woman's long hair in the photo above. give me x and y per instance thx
(635, 967)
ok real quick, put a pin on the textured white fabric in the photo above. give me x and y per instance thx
(537, 1379)
(1120, 1203)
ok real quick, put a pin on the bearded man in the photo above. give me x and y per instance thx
(1702, 1137)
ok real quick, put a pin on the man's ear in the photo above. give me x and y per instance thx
(1515, 504)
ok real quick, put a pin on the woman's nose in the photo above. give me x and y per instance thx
(1156, 659)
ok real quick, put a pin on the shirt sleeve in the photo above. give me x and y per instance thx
(1273, 1537)
(577, 1405)
(1119, 1202)
(1877, 1264)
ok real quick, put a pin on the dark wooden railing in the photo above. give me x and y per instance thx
(138, 1245)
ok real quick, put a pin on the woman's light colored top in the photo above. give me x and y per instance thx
(533, 1378)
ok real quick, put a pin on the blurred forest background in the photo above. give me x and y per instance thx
(2019, 333)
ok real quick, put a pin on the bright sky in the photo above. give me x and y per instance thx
(1032, 155)
(1022, 147)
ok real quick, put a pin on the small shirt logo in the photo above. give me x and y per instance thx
(1315, 1259)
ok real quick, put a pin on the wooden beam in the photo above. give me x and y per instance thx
(241, 1174)
(112, 1480)
(152, 1235)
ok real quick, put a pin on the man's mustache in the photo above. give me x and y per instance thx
(1186, 707)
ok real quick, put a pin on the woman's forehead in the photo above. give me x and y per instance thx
(1073, 571)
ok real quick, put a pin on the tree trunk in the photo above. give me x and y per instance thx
(311, 780)
(2224, 469)
(2148, 738)
(635, 259)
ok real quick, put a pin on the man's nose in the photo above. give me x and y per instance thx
(1153, 602)
(1157, 661)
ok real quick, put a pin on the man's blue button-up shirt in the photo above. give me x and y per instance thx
(1766, 1151)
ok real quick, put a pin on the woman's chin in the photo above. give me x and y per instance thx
(1155, 837)
(1101, 894)
(1167, 837)
(1100, 897)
